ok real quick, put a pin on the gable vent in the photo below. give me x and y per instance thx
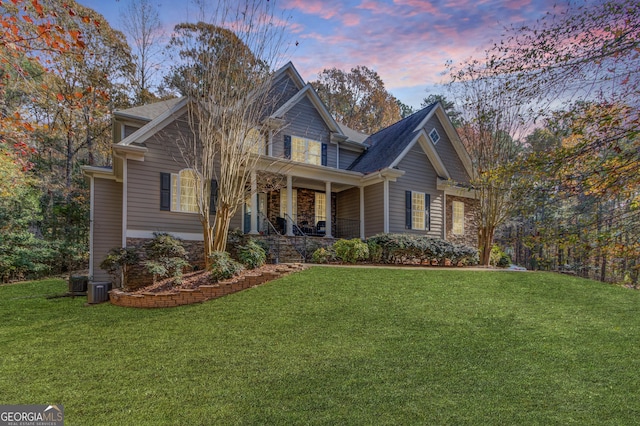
(434, 136)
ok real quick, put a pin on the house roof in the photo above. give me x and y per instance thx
(388, 144)
(353, 135)
(149, 111)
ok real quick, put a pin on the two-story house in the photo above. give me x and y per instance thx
(335, 182)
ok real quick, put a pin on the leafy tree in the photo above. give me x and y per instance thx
(358, 98)
(227, 76)
(405, 110)
(449, 107)
(586, 59)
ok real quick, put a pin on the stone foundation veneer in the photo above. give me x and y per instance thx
(203, 293)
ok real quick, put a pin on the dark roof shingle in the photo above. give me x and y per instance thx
(386, 145)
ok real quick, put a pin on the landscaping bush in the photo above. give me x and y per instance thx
(408, 249)
(351, 250)
(118, 262)
(375, 252)
(498, 257)
(166, 257)
(223, 266)
(252, 255)
(322, 255)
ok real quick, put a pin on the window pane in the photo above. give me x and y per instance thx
(458, 218)
(188, 197)
(321, 206)
(175, 192)
(417, 210)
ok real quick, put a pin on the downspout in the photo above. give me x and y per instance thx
(92, 196)
(386, 205)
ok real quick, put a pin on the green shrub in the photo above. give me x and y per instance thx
(406, 249)
(166, 257)
(118, 263)
(351, 250)
(322, 255)
(498, 257)
(222, 266)
(252, 255)
(375, 252)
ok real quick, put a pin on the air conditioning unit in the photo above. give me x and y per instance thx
(98, 292)
(78, 284)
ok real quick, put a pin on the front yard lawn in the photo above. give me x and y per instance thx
(335, 346)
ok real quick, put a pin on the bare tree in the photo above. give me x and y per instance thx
(226, 69)
(141, 22)
(493, 121)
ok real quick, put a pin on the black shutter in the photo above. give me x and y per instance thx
(324, 154)
(213, 200)
(165, 191)
(407, 219)
(427, 208)
(287, 146)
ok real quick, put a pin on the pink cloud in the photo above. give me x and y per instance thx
(314, 7)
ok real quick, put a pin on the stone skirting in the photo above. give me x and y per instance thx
(203, 293)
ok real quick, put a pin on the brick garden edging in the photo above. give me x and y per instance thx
(203, 293)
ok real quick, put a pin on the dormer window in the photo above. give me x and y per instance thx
(434, 136)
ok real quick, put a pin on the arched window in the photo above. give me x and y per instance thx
(184, 187)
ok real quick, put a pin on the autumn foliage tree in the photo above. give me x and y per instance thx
(59, 81)
(578, 68)
(358, 99)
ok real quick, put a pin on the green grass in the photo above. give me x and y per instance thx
(335, 346)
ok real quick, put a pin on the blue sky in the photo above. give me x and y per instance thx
(407, 42)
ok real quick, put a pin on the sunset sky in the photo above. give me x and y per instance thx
(407, 42)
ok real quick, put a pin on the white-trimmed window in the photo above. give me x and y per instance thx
(458, 218)
(321, 206)
(283, 203)
(434, 136)
(418, 207)
(306, 150)
(418, 211)
(184, 191)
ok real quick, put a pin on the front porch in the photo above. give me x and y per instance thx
(303, 208)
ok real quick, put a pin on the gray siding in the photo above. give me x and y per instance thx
(143, 184)
(303, 120)
(107, 223)
(420, 176)
(347, 157)
(282, 91)
(373, 209)
(348, 204)
(447, 152)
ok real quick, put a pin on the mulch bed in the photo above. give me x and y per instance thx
(194, 280)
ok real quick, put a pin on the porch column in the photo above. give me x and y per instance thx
(289, 217)
(362, 212)
(386, 206)
(254, 204)
(327, 189)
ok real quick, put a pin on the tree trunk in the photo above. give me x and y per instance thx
(485, 243)
(223, 220)
(207, 232)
